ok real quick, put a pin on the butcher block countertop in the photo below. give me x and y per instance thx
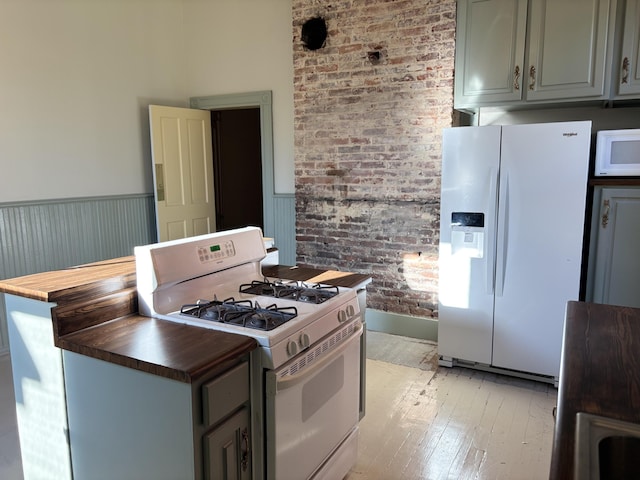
(599, 374)
(167, 349)
(315, 275)
(75, 283)
(96, 314)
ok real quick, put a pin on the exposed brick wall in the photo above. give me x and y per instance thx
(368, 143)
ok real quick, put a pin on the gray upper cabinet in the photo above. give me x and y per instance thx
(490, 41)
(567, 55)
(512, 52)
(628, 78)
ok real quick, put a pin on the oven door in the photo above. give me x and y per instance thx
(313, 407)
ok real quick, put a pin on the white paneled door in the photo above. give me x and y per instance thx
(181, 152)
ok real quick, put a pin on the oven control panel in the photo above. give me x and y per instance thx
(334, 321)
(346, 314)
(215, 252)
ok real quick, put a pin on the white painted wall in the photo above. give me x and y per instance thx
(236, 46)
(76, 78)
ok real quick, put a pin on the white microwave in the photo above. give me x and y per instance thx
(617, 153)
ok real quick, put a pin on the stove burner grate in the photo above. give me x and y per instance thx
(241, 313)
(298, 291)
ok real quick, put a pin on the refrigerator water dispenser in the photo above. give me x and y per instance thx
(467, 234)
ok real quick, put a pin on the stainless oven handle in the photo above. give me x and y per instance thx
(293, 380)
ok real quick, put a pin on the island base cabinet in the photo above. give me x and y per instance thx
(127, 424)
(227, 449)
(39, 390)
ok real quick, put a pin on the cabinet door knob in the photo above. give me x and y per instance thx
(246, 449)
(516, 78)
(625, 70)
(605, 214)
(532, 77)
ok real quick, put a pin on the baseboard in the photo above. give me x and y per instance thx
(405, 325)
(449, 362)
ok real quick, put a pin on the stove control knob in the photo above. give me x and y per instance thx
(292, 348)
(305, 340)
(342, 316)
(350, 310)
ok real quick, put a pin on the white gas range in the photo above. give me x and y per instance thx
(306, 390)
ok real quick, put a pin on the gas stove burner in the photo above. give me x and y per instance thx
(309, 294)
(215, 309)
(299, 292)
(257, 287)
(262, 318)
(241, 313)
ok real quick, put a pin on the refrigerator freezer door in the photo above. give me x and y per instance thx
(542, 199)
(471, 157)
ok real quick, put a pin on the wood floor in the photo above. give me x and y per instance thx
(422, 421)
(425, 422)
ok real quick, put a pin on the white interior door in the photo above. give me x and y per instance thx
(182, 159)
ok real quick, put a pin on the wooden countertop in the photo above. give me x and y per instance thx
(599, 373)
(75, 283)
(316, 275)
(161, 347)
(109, 276)
(96, 314)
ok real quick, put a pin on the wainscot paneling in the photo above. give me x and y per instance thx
(285, 227)
(51, 235)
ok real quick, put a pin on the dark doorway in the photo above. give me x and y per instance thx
(237, 168)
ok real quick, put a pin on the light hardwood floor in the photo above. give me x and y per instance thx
(428, 422)
(422, 421)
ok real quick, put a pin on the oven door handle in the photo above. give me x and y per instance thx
(293, 380)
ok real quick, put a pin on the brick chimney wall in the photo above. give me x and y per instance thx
(368, 143)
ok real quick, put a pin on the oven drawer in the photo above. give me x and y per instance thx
(224, 394)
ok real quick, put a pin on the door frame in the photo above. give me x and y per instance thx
(262, 100)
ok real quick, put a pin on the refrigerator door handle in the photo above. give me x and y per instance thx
(502, 234)
(490, 232)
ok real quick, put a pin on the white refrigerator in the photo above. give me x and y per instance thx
(511, 235)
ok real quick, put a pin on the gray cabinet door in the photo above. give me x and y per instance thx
(490, 51)
(629, 67)
(568, 43)
(617, 263)
(226, 449)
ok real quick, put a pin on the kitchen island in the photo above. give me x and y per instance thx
(599, 376)
(103, 392)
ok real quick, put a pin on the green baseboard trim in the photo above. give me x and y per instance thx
(405, 325)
